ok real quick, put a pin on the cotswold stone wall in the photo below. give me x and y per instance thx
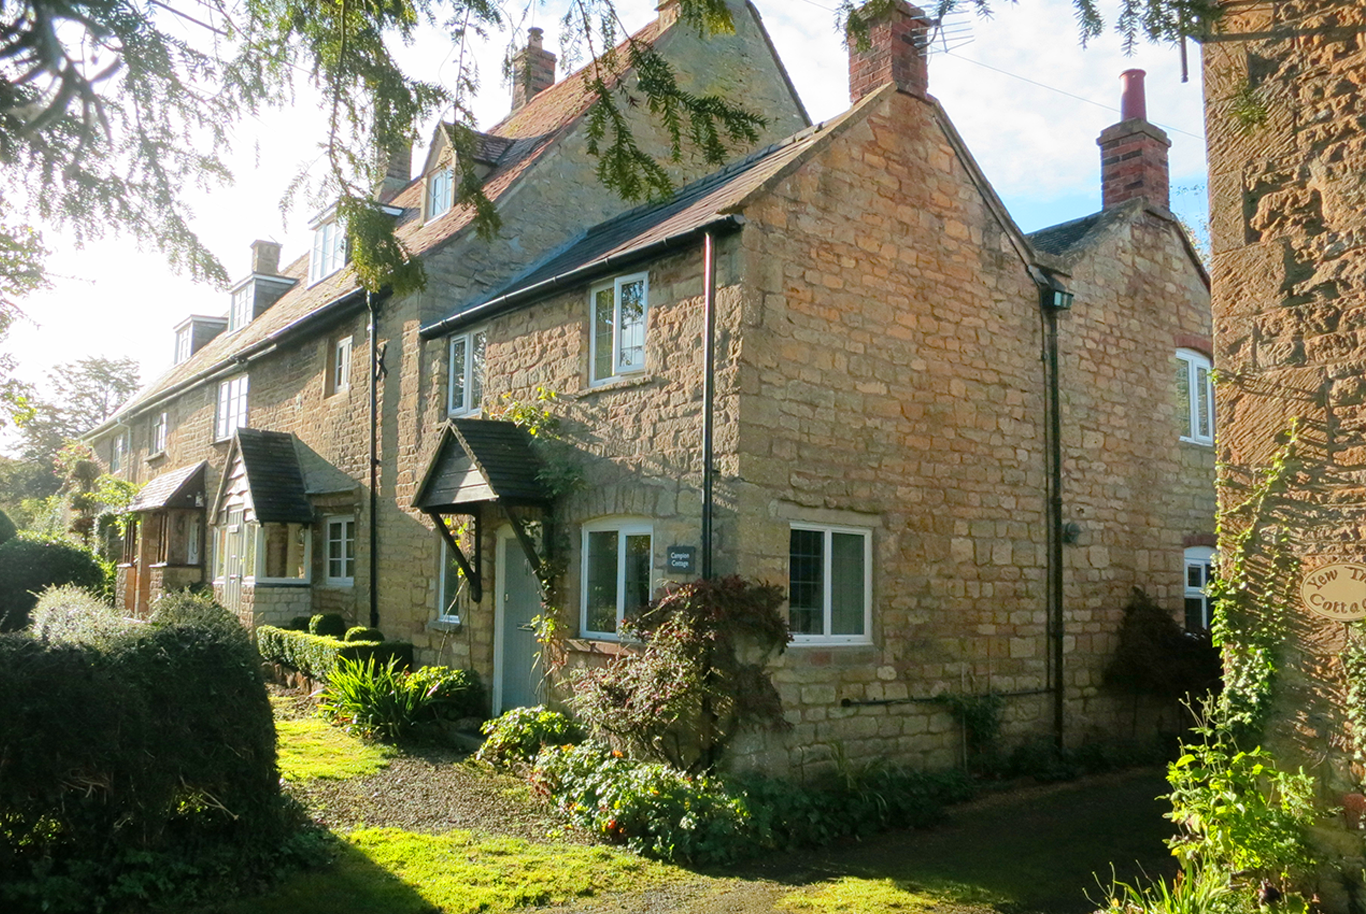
(891, 379)
(1285, 88)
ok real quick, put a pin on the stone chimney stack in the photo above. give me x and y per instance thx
(1133, 153)
(398, 171)
(265, 258)
(533, 70)
(896, 53)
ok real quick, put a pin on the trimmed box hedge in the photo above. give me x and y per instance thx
(316, 655)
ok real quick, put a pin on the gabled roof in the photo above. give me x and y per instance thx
(481, 460)
(1070, 241)
(646, 230)
(274, 479)
(525, 136)
(172, 489)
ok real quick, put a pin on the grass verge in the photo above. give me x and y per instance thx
(397, 872)
(310, 748)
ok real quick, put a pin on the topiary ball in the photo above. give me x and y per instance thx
(361, 633)
(330, 625)
(28, 566)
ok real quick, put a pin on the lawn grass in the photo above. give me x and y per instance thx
(311, 748)
(390, 871)
(850, 895)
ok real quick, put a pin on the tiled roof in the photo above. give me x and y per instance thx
(1061, 239)
(173, 489)
(273, 477)
(518, 142)
(641, 230)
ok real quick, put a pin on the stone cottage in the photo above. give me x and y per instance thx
(835, 363)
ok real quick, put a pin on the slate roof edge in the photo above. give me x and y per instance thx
(578, 276)
(1109, 217)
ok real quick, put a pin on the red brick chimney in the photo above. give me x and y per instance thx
(1133, 153)
(895, 53)
(533, 70)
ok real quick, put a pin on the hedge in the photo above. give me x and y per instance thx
(317, 655)
(28, 566)
(139, 758)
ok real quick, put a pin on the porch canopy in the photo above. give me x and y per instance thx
(478, 462)
(182, 488)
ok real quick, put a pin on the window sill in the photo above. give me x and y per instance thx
(1196, 441)
(464, 413)
(814, 641)
(621, 382)
(340, 584)
(445, 625)
(158, 456)
(602, 648)
(281, 582)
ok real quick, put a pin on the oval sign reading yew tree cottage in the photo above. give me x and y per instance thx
(1336, 591)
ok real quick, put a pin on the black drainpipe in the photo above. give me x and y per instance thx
(373, 307)
(708, 392)
(1053, 298)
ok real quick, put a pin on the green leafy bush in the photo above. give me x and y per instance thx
(28, 566)
(662, 812)
(329, 625)
(316, 656)
(449, 694)
(698, 680)
(520, 734)
(361, 633)
(139, 760)
(297, 624)
(385, 702)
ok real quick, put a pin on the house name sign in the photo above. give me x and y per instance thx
(1336, 591)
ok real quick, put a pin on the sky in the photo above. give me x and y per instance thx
(1028, 100)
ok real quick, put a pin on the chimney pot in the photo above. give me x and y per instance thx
(265, 257)
(1133, 153)
(1132, 101)
(895, 53)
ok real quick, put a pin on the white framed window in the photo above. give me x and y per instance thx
(329, 250)
(830, 584)
(341, 549)
(118, 454)
(339, 374)
(159, 424)
(1194, 397)
(232, 407)
(450, 590)
(184, 338)
(1199, 566)
(619, 312)
(282, 552)
(465, 387)
(618, 561)
(440, 192)
(239, 315)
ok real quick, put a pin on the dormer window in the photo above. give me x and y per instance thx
(240, 314)
(329, 250)
(184, 340)
(440, 192)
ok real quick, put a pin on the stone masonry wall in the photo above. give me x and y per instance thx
(891, 380)
(1288, 210)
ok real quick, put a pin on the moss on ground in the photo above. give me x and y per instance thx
(310, 748)
(397, 872)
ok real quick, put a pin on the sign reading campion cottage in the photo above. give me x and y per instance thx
(1336, 591)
